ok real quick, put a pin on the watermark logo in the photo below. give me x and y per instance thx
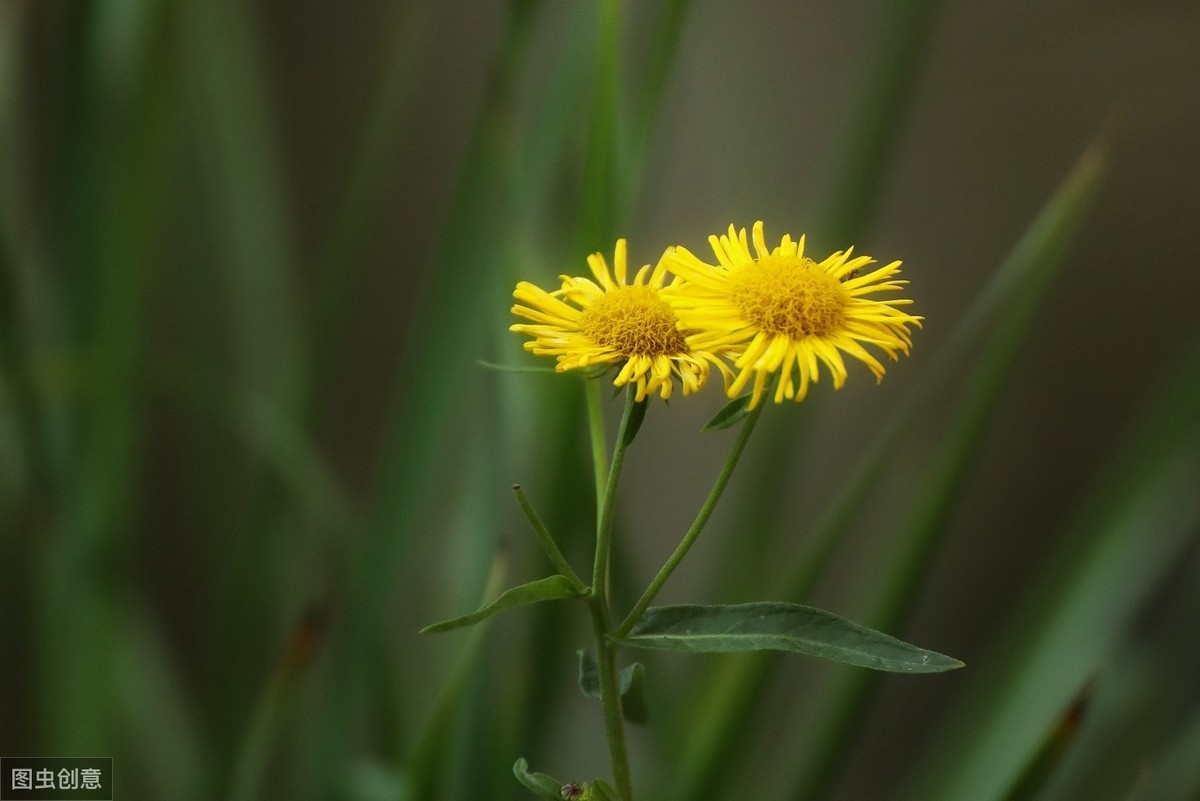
(56, 779)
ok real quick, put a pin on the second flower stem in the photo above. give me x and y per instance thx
(701, 520)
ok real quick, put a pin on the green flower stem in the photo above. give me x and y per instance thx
(610, 696)
(606, 661)
(701, 520)
(604, 515)
(547, 542)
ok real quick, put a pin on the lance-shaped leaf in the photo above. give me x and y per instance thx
(631, 681)
(547, 589)
(780, 627)
(636, 415)
(543, 786)
(731, 413)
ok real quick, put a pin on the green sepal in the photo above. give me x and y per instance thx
(730, 414)
(603, 791)
(509, 368)
(632, 683)
(550, 588)
(636, 415)
(780, 627)
(543, 786)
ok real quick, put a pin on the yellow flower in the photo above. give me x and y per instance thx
(607, 321)
(780, 311)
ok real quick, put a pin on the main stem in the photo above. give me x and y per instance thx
(698, 524)
(606, 651)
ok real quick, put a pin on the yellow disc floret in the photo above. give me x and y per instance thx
(633, 321)
(790, 296)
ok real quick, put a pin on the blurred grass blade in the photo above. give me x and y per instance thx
(1049, 757)
(874, 124)
(1177, 775)
(428, 389)
(273, 710)
(13, 478)
(429, 751)
(359, 209)
(111, 224)
(1042, 248)
(720, 724)
(1141, 515)
(245, 194)
(651, 84)
(602, 167)
(163, 731)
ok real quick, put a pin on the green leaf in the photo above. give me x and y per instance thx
(543, 786)
(633, 693)
(730, 413)
(636, 415)
(777, 626)
(589, 676)
(603, 791)
(547, 589)
(631, 682)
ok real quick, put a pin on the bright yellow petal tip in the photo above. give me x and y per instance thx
(779, 311)
(608, 320)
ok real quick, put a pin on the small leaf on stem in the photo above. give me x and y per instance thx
(547, 589)
(730, 414)
(543, 786)
(636, 415)
(632, 685)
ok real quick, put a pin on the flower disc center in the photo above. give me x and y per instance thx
(633, 320)
(789, 295)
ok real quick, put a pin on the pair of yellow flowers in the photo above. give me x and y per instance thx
(773, 311)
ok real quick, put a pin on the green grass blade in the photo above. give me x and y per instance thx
(1177, 775)
(1142, 513)
(359, 210)
(164, 733)
(429, 751)
(873, 126)
(273, 710)
(1042, 249)
(602, 167)
(115, 219)
(244, 190)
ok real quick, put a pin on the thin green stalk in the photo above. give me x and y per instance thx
(606, 663)
(547, 541)
(697, 526)
(604, 515)
(610, 696)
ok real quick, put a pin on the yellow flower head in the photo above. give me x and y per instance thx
(609, 321)
(780, 311)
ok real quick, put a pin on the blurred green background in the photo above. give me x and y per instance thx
(250, 254)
